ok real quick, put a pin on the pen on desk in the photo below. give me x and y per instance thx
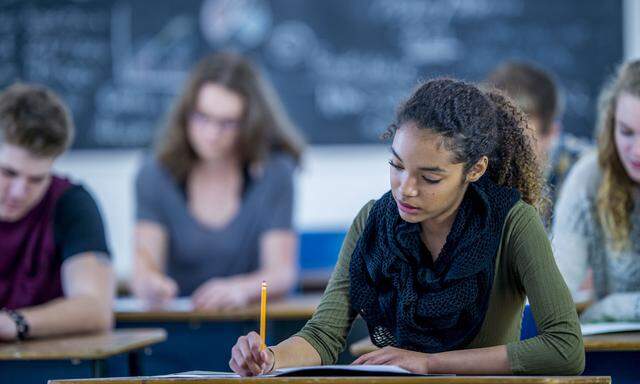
(263, 316)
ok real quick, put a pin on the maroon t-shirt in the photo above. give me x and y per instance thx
(64, 223)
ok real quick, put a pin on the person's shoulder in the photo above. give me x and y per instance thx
(585, 175)
(523, 222)
(279, 163)
(76, 196)
(78, 223)
(152, 171)
(276, 170)
(587, 164)
(151, 165)
(76, 203)
(521, 212)
(361, 218)
(366, 209)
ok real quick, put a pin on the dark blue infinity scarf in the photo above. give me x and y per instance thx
(411, 302)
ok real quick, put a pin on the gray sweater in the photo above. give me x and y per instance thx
(197, 252)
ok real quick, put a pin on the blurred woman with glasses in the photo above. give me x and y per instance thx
(214, 204)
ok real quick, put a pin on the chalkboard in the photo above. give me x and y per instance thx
(341, 67)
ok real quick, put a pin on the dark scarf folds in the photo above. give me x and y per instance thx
(411, 302)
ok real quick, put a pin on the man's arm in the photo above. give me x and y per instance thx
(88, 284)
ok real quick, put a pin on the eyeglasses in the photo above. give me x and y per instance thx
(202, 119)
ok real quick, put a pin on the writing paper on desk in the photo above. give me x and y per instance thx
(343, 370)
(612, 327)
(200, 374)
(132, 304)
(315, 370)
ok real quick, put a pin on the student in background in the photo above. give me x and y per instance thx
(535, 92)
(54, 262)
(440, 265)
(214, 205)
(597, 221)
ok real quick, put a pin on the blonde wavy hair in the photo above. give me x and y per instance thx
(615, 195)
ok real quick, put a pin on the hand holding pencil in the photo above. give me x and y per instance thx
(247, 359)
(250, 355)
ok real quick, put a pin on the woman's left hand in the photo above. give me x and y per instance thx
(415, 362)
(220, 294)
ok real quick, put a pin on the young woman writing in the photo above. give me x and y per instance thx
(439, 266)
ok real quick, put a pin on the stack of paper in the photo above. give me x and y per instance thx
(600, 328)
(132, 304)
(316, 370)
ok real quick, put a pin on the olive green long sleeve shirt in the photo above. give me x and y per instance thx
(525, 267)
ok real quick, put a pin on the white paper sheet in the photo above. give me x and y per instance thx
(353, 368)
(132, 304)
(375, 370)
(601, 328)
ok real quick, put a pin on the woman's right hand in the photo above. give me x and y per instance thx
(247, 359)
(154, 288)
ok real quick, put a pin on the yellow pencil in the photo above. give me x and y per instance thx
(263, 316)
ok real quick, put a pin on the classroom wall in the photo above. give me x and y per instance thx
(631, 29)
(332, 185)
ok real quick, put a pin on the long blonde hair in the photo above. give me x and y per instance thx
(615, 194)
(265, 125)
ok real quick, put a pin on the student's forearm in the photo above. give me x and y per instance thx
(69, 315)
(490, 360)
(150, 248)
(295, 352)
(623, 306)
(280, 282)
(145, 263)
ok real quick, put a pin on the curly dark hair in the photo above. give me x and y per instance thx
(476, 123)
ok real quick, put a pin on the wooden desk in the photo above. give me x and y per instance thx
(290, 308)
(619, 342)
(359, 380)
(197, 331)
(615, 354)
(93, 347)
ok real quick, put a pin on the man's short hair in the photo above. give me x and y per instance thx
(34, 117)
(532, 88)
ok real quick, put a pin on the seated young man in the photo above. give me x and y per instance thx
(56, 275)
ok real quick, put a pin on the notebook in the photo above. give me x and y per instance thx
(315, 370)
(613, 327)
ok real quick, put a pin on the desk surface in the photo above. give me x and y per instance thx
(82, 347)
(357, 380)
(289, 308)
(627, 341)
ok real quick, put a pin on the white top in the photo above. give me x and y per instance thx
(580, 243)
